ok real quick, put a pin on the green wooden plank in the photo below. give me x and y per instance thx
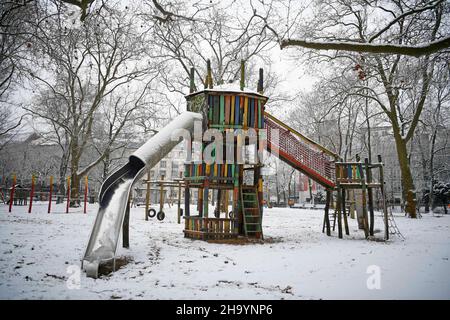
(222, 110)
(227, 109)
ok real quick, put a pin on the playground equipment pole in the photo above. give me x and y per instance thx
(179, 199)
(50, 195)
(370, 195)
(385, 213)
(191, 81)
(161, 194)
(147, 195)
(68, 194)
(209, 82)
(126, 225)
(13, 188)
(85, 192)
(31, 193)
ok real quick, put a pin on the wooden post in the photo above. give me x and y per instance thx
(383, 196)
(209, 81)
(200, 201)
(364, 201)
(339, 212)
(161, 194)
(187, 211)
(235, 226)
(205, 190)
(338, 206)
(147, 195)
(327, 216)
(240, 216)
(50, 195)
(257, 175)
(179, 200)
(85, 193)
(370, 194)
(226, 204)
(218, 203)
(68, 195)
(126, 225)
(261, 81)
(347, 232)
(13, 189)
(191, 80)
(31, 194)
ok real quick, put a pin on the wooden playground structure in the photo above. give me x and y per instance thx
(356, 175)
(228, 110)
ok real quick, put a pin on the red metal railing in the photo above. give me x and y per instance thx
(302, 153)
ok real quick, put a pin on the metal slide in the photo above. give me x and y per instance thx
(115, 190)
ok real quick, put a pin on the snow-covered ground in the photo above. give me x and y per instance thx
(40, 256)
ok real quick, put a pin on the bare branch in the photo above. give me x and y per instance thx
(415, 51)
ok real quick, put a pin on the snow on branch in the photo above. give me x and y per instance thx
(415, 51)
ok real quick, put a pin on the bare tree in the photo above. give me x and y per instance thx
(407, 10)
(432, 137)
(90, 63)
(14, 41)
(9, 124)
(212, 32)
(412, 23)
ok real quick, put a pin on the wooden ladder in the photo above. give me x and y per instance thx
(251, 211)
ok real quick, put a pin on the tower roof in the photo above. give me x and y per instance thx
(232, 88)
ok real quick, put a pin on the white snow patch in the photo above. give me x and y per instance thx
(300, 262)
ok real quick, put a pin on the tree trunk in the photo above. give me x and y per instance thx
(311, 198)
(106, 164)
(431, 167)
(62, 178)
(289, 190)
(425, 178)
(74, 190)
(407, 179)
(74, 177)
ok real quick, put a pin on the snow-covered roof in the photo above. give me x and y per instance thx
(233, 87)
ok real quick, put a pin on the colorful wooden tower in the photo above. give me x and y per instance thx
(232, 128)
